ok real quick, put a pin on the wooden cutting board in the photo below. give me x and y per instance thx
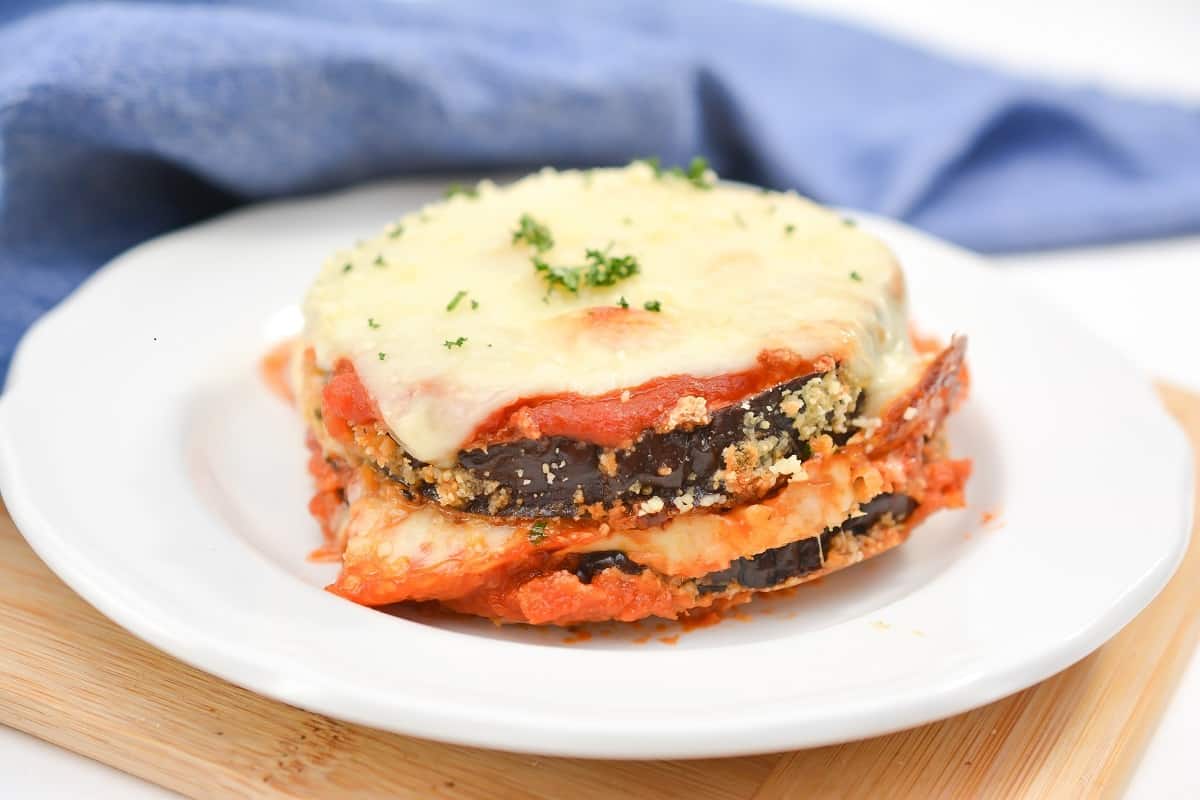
(70, 676)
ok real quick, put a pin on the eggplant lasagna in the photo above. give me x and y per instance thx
(617, 393)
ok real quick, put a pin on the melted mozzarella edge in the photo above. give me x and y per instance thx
(736, 270)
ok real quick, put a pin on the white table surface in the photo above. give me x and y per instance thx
(1141, 297)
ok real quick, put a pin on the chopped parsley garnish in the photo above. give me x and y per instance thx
(601, 269)
(695, 174)
(383, 356)
(854, 276)
(396, 232)
(452, 343)
(789, 229)
(371, 323)
(458, 296)
(347, 267)
(652, 305)
(457, 189)
(565, 277)
(533, 233)
(537, 532)
(605, 270)
(474, 304)
(623, 303)
(379, 262)
(848, 222)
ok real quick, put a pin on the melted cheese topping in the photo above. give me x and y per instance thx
(736, 270)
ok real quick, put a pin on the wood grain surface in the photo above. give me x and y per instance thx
(70, 676)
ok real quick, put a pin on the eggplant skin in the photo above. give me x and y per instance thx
(780, 564)
(556, 476)
(771, 567)
(590, 564)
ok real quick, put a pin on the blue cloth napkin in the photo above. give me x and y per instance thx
(121, 120)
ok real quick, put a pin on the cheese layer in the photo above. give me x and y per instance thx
(735, 270)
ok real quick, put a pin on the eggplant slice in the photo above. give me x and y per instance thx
(556, 476)
(772, 567)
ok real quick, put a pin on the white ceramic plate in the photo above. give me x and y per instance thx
(146, 463)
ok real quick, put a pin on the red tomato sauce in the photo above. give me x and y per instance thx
(617, 417)
(345, 401)
(611, 419)
(274, 367)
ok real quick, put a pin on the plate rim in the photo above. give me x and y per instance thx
(234, 665)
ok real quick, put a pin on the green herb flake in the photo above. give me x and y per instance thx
(789, 229)
(474, 304)
(600, 268)
(533, 233)
(849, 223)
(854, 276)
(396, 232)
(371, 323)
(606, 270)
(652, 305)
(737, 217)
(383, 356)
(627, 220)
(452, 343)
(455, 189)
(623, 303)
(458, 296)
(347, 267)
(697, 173)
(537, 532)
(379, 262)
(566, 278)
